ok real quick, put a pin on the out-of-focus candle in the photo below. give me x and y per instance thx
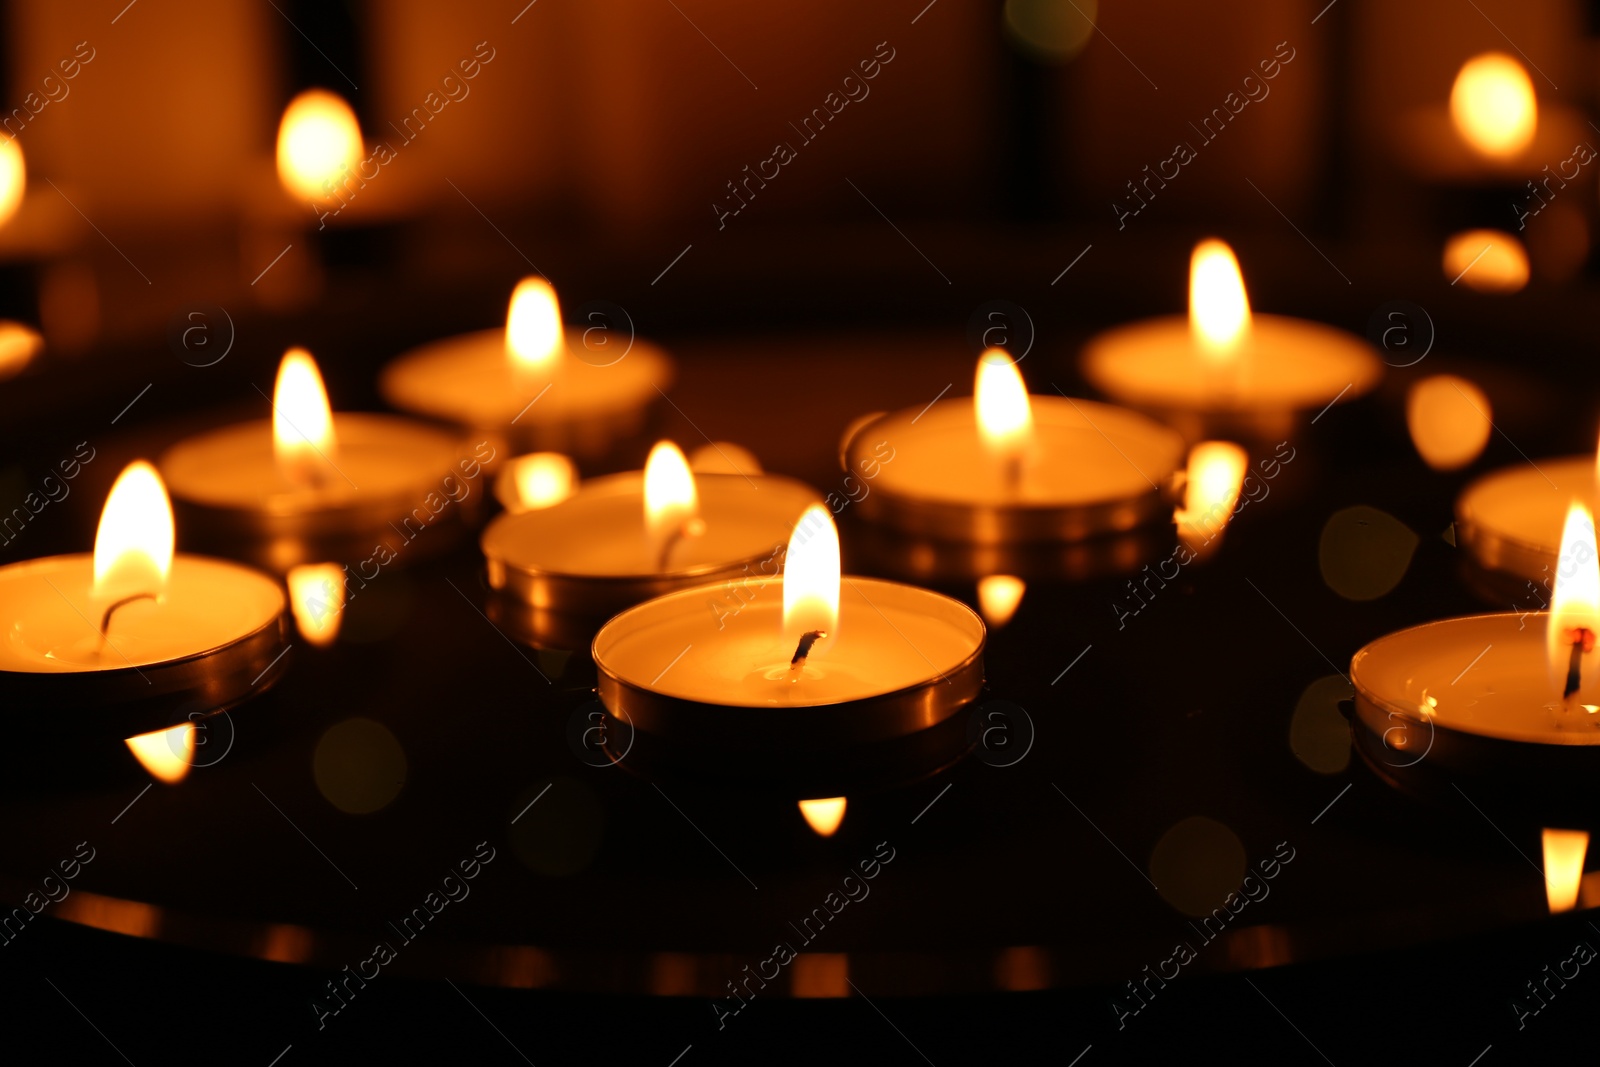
(1449, 419)
(537, 480)
(1493, 107)
(1512, 519)
(319, 143)
(13, 178)
(1488, 261)
(1215, 478)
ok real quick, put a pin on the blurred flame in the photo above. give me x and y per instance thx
(998, 597)
(543, 479)
(1219, 309)
(811, 577)
(165, 753)
(134, 542)
(318, 138)
(1574, 596)
(302, 424)
(534, 335)
(18, 345)
(825, 815)
(1449, 419)
(670, 499)
(1493, 106)
(316, 595)
(1489, 261)
(13, 178)
(1563, 867)
(1005, 416)
(1215, 477)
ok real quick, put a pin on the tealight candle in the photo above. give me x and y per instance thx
(542, 385)
(1507, 704)
(1223, 371)
(1004, 468)
(118, 642)
(560, 571)
(821, 663)
(309, 486)
(1511, 520)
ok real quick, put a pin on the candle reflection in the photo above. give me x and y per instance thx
(998, 597)
(824, 815)
(1563, 867)
(166, 754)
(316, 596)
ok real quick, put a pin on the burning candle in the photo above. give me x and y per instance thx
(1225, 371)
(543, 385)
(1511, 520)
(308, 486)
(119, 642)
(13, 178)
(1507, 704)
(1003, 467)
(560, 571)
(319, 144)
(820, 663)
(537, 480)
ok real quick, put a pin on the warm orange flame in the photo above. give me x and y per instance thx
(319, 142)
(166, 754)
(998, 597)
(134, 542)
(1219, 310)
(670, 500)
(316, 595)
(18, 345)
(825, 815)
(1215, 477)
(1563, 867)
(811, 578)
(1449, 419)
(1490, 261)
(1005, 416)
(13, 178)
(302, 424)
(534, 335)
(1575, 603)
(1493, 106)
(543, 479)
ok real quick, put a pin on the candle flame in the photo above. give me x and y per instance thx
(13, 178)
(543, 479)
(302, 424)
(134, 542)
(1219, 309)
(1493, 106)
(1563, 867)
(670, 499)
(1450, 419)
(1215, 477)
(824, 815)
(166, 754)
(534, 335)
(811, 578)
(1574, 600)
(1005, 417)
(998, 597)
(1490, 261)
(316, 595)
(319, 142)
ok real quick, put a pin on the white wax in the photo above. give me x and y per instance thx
(599, 531)
(1483, 674)
(1286, 364)
(1082, 453)
(469, 380)
(1526, 505)
(50, 619)
(377, 458)
(889, 637)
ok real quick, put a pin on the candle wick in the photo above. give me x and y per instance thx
(1582, 640)
(803, 649)
(105, 620)
(693, 526)
(1011, 475)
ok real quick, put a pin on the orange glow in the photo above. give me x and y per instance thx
(724, 457)
(1219, 310)
(302, 424)
(1449, 419)
(811, 575)
(134, 543)
(165, 753)
(670, 499)
(1489, 261)
(998, 597)
(1493, 106)
(1575, 601)
(534, 335)
(13, 179)
(1005, 417)
(18, 345)
(1563, 867)
(319, 142)
(543, 479)
(824, 816)
(316, 595)
(1215, 477)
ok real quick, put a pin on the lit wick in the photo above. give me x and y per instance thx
(693, 526)
(1581, 638)
(803, 649)
(105, 620)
